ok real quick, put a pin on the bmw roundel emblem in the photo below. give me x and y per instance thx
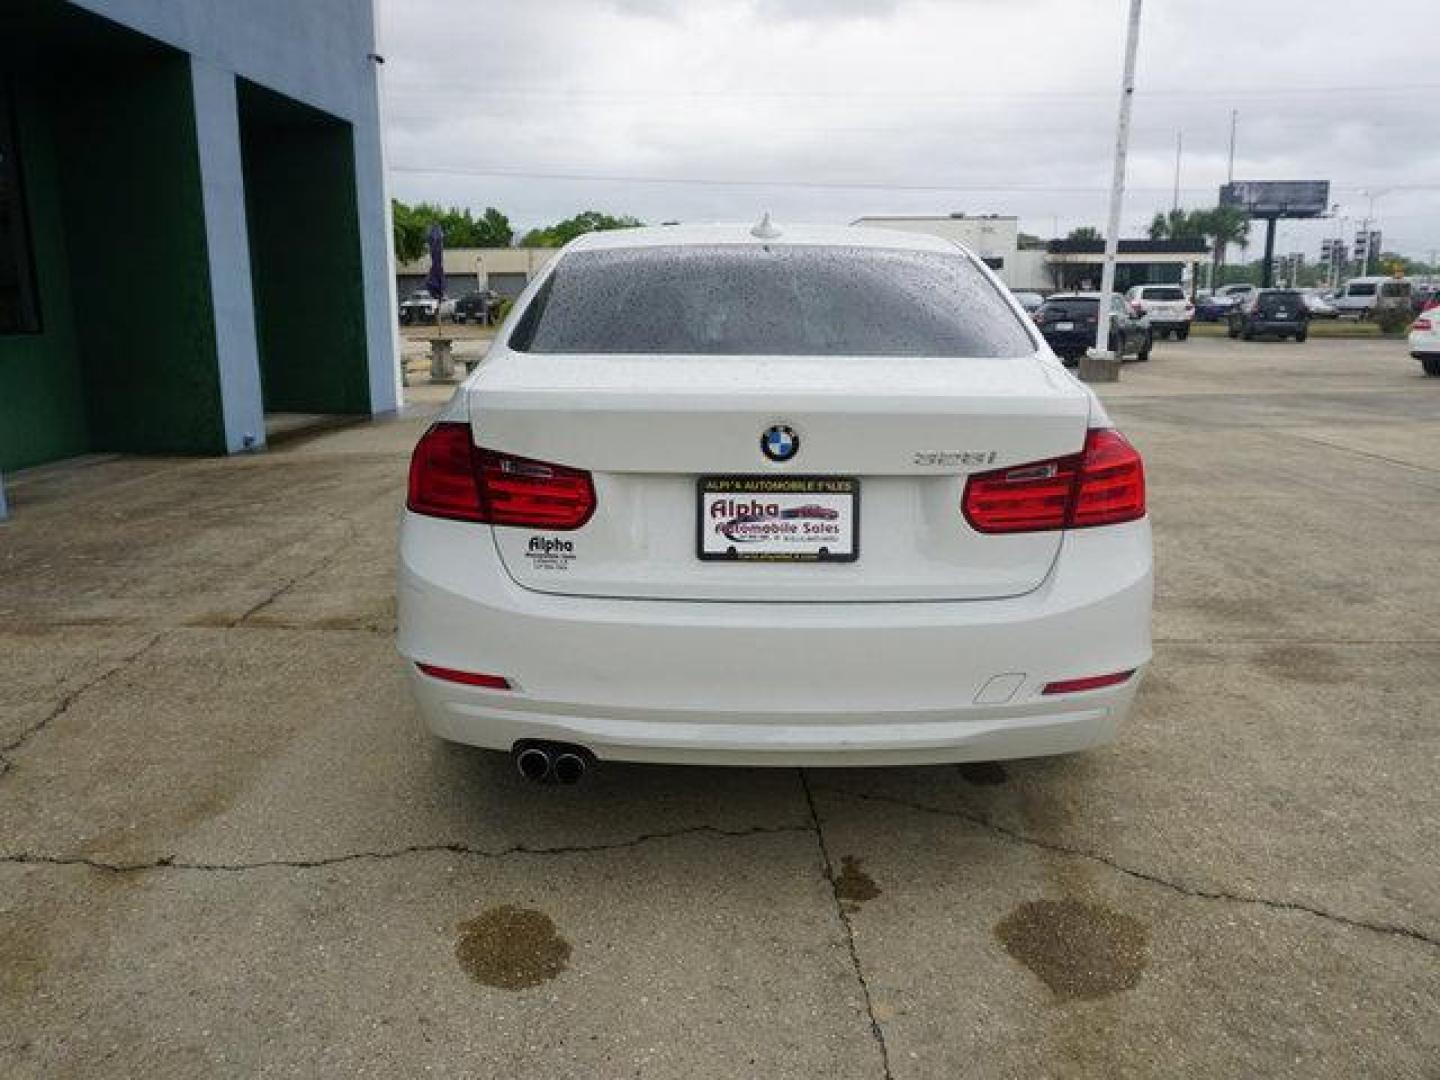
(780, 443)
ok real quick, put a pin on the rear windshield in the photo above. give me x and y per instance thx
(1077, 308)
(788, 300)
(1278, 299)
(1168, 292)
(1395, 288)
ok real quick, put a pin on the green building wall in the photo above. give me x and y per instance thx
(42, 404)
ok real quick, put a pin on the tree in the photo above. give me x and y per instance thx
(562, 232)
(409, 232)
(1084, 232)
(461, 227)
(1223, 226)
(1179, 225)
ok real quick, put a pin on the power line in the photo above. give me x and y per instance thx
(856, 185)
(849, 95)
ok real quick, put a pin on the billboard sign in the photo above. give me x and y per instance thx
(1278, 198)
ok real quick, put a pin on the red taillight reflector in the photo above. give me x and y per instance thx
(519, 491)
(443, 482)
(451, 477)
(468, 678)
(1102, 485)
(1092, 682)
(1420, 324)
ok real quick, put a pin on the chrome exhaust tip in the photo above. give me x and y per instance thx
(534, 764)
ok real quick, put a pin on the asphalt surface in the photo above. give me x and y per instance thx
(226, 847)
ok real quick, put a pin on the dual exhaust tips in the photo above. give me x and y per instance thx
(551, 763)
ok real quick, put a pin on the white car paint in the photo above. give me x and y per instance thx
(936, 644)
(1166, 306)
(1425, 340)
(1359, 296)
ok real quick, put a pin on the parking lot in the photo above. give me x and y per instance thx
(226, 846)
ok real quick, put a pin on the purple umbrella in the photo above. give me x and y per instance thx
(435, 280)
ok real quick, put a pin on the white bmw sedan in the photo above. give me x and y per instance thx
(751, 497)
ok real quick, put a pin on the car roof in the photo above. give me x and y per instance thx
(789, 235)
(1076, 296)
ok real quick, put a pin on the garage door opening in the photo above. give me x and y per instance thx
(305, 261)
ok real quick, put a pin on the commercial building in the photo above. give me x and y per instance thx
(506, 270)
(193, 223)
(1054, 264)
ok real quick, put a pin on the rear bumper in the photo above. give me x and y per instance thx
(1070, 344)
(775, 684)
(1169, 324)
(1273, 326)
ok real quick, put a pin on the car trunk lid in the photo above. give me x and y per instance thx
(650, 429)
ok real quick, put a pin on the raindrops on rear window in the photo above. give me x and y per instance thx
(786, 300)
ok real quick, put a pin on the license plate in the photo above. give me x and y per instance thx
(1282, 314)
(779, 519)
(1064, 326)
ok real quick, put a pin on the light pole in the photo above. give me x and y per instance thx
(1103, 365)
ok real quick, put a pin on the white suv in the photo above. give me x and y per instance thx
(800, 497)
(1166, 306)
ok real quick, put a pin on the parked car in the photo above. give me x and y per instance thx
(1067, 321)
(1166, 307)
(1030, 301)
(1359, 297)
(476, 307)
(1425, 341)
(420, 307)
(1317, 305)
(563, 593)
(1277, 312)
(1424, 297)
(1239, 292)
(1213, 307)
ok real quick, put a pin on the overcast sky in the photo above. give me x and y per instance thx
(824, 110)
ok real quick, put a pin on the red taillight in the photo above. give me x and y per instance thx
(1092, 682)
(1102, 485)
(1420, 324)
(451, 477)
(468, 678)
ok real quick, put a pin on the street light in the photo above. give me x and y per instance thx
(1103, 365)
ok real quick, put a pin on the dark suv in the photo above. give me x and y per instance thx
(1067, 322)
(476, 307)
(1281, 312)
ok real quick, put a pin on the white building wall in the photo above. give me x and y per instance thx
(318, 52)
(988, 237)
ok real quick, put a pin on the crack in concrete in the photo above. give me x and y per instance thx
(1367, 454)
(876, 1031)
(352, 534)
(452, 848)
(63, 706)
(1017, 837)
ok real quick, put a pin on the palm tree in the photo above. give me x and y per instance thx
(1226, 225)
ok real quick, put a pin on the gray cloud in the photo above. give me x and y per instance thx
(1009, 106)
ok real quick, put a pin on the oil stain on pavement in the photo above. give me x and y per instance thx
(1078, 950)
(854, 886)
(511, 947)
(984, 773)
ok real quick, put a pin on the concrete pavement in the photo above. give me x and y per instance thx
(226, 847)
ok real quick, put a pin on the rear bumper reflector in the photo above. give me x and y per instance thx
(1090, 682)
(467, 678)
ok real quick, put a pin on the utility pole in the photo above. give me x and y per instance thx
(1230, 173)
(1175, 202)
(1103, 365)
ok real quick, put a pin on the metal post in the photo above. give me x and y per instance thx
(1175, 202)
(1230, 172)
(1104, 365)
(1266, 275)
